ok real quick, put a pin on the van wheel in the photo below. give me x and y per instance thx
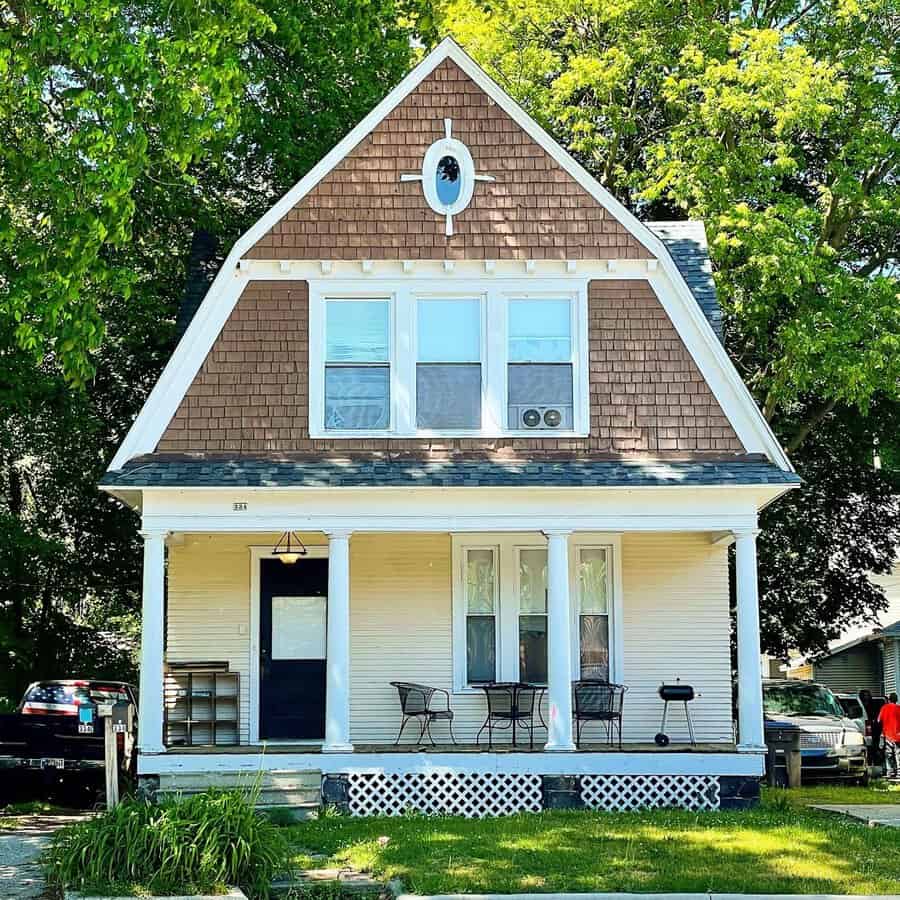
(863, 781)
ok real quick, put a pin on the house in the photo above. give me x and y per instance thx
(863, 658)
(496, 411)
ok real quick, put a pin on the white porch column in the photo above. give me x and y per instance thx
(337, 685)
(750, 702)
(559, 643)
(150, 713)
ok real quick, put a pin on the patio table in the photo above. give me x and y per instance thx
(504, 703)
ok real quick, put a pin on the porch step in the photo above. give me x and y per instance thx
(299, 792)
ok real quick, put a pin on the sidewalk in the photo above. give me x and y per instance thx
(704, 896)
(20, 874)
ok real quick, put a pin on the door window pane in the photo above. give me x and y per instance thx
(540, 331)
(298, 628)
(593, 580)
(357, 398)
(449, 330)
(448, 396)
(357, 331)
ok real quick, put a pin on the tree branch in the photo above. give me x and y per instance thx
(815, 417)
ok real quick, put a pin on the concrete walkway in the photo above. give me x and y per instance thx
(871, 813)
(703, 896)
(20, 848)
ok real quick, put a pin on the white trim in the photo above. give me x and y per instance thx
(196, 343)
(403, 296)
(507, 547)
(574, 763)
(460, 610)
(258, 553)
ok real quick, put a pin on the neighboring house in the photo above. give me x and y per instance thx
(867, 656)
(496, 409)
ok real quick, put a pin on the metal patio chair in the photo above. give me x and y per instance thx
(599, 701)
(416, 703)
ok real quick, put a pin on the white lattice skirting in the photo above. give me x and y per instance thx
(625, 792)
(473, 795)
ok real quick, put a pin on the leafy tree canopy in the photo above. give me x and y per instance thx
(777, 122)
(128, 129)
(95, 95)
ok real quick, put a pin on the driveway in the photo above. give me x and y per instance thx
(20, 875)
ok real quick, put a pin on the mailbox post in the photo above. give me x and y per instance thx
(786, 739)
(118, 719)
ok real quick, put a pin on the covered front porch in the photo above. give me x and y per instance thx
(399, 608)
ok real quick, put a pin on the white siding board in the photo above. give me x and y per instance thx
(676, 623)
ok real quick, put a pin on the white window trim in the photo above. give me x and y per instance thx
(461, 612)
(507, 549)
(494, 295)
(317, 327)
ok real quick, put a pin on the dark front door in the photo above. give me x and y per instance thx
(292, 613)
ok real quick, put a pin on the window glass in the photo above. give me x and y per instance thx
(357, 369)
(357, 398)
(480, 581)
(540, 331)
(593, 580)
(533, 615)
(449, 331)
(540, 385)
(533, 581)
(533, 649)
(481, 621)
(357, 331)
(593, 605)
(448, 372)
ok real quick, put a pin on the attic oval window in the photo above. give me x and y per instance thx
(448, 180)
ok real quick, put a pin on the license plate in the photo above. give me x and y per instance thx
(53, 763)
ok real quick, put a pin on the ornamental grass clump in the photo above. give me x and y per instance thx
(197, 845)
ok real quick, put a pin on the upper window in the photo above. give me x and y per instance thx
(481, 362)
(448, 367)
(357, 365)
(540, 373)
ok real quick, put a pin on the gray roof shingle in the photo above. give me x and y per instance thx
(687, 245)
(330, 472)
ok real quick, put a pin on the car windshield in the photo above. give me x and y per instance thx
(852, 707)
(800, 700)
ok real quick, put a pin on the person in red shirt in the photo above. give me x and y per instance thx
(889, 717)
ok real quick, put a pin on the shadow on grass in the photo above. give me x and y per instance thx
(767, 850)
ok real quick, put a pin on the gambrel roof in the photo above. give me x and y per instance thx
(677, 249)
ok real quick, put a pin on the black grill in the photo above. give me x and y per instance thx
(676, 693)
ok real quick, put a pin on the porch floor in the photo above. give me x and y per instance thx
(301, 747)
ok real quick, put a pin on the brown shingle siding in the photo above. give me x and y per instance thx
(533, 210)
(647, 395)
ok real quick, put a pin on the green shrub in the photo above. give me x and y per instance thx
(180, 846)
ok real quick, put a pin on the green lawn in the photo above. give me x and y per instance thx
(782, 847)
